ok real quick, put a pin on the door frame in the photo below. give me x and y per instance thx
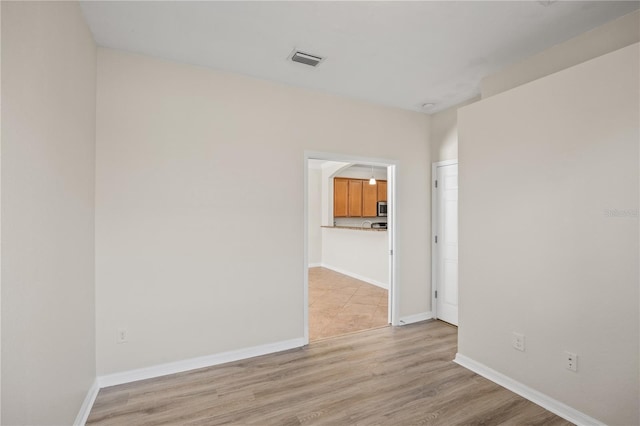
(392, 212)
(434, 231)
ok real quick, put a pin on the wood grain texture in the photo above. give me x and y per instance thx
(369, 199)
(355, 198)
(382, 190)
(340, 197)
(388, 376)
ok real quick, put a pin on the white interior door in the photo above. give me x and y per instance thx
(446, 244)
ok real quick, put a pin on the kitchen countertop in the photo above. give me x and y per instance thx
(356, 228)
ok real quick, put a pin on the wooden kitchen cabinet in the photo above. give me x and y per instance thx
(340, 197)
(356, 198)
(382, 190)
(369, 199)
(347, 197)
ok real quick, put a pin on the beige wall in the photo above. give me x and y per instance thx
(48, 141)
(361, 254)
(606, 38)
(444, 133)
(543, 164)
(185, 164)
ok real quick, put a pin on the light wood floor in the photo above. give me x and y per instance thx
(387, 376)
(339, 304)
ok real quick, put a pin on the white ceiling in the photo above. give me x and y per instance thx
(400, 54)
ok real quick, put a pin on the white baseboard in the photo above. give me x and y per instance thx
(87, 404)
(410, 319)
(356, 276)
(315, 265)
(194, 363)
(545, 401)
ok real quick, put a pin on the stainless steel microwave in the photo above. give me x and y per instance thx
(382, 208)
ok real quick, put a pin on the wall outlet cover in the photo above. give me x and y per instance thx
(122, 336)
(517, 340)
(571, 361)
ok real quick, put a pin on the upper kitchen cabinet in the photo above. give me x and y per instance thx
(369, 200)
(382, 190)
(347, 197)
(340, 197)
(356, 198)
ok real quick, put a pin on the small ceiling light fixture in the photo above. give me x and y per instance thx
(372, 181)
(305, 58)
(428, 105)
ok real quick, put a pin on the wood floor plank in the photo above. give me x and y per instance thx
(387, 376)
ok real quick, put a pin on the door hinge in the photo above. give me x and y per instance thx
(436, 294)
(436, 183)
(391, 252)
(436, 239)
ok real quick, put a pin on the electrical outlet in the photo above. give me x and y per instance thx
(518, 341)
(571, 361)
(122, 336)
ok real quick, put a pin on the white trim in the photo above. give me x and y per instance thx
(305, 252)
(410, 319)
(545, 401)
(356, 276)
(434, 231)
(394, 235)
(343, 158)
(195, 363)
(87, 404)
(315, 265)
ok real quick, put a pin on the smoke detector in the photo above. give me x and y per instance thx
(305, 58)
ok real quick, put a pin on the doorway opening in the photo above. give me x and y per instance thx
(349, 262)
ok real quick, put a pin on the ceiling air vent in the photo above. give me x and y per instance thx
(305, 58)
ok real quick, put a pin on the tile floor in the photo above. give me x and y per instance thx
(339, 304)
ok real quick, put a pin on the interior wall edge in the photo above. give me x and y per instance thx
(356, 276)
(609, 37)
(87, 404)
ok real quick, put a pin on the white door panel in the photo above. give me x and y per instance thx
(446, 255)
